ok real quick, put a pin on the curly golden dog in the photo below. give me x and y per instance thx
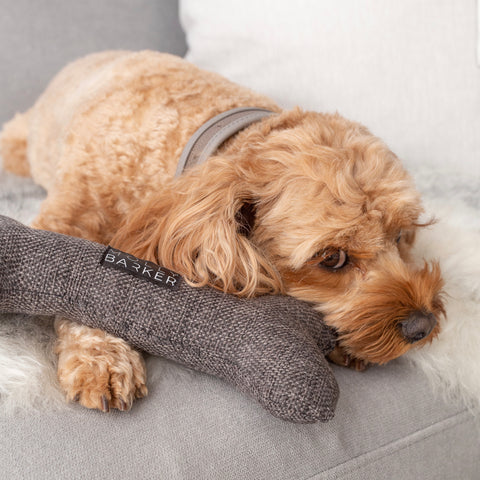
(300, 203)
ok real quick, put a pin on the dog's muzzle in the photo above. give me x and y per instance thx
(417, 326)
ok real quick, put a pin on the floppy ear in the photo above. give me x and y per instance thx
(197, 227)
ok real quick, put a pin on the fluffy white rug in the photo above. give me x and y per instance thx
(27, 364)
(452, 362)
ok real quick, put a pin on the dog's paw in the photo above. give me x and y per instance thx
(101, 372)
(340, 357)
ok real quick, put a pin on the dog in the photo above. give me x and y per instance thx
(299, 203)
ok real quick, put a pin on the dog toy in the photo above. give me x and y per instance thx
(272, 348)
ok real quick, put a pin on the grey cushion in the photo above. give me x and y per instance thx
(388, 425)
(38, 38)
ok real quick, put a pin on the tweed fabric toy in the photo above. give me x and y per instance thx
(272, 348)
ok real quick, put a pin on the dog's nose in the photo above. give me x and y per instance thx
(417, 325)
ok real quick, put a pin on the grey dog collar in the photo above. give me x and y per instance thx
(206, 140)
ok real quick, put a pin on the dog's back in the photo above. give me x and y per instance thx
(118, 116)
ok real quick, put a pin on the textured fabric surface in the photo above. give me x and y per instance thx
(271, 347)
(39, 38)
(195, 427)
(407, 70)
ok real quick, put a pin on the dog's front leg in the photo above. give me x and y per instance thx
(340, 357)
(96, 369)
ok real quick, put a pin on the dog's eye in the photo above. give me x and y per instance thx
(399, 237)
(333, 259)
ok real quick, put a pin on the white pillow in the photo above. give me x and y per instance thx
(406, 69)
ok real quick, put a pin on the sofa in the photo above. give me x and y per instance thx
(389, 422)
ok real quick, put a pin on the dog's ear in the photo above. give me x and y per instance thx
(200, 226)
(245, 218)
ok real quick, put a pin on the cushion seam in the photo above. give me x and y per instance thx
(396, 445)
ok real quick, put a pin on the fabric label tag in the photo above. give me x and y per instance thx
(127, 263)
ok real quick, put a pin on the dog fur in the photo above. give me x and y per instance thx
(104, 140)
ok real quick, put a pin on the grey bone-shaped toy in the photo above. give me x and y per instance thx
(271, 347)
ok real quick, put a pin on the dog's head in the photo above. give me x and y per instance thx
(307, 204)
